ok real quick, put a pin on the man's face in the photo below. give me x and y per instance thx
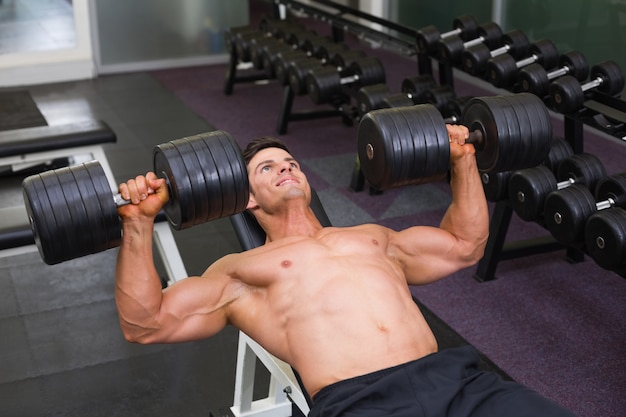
(275, 178)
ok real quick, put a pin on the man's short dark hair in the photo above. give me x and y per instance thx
(259, 144)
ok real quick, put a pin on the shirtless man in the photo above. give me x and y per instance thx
(332, 302)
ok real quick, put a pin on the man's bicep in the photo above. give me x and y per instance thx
(426, 253)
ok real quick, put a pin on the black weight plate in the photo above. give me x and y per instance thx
(467, 24)
(112, 222)
(417, 86)
(613, 187)
(371, 97)
(427, 38)
(226, 182)
(296, 73)
(500, 70)
(43, 223)
(474, 58)
(494, 117)
(438, 144)
(64, 233)
(576, 64)
(540, 125)
(495, 185)
(396, 100)
(415, 138)
(370, 70)
(547, 53)
(407, 146)
(528, 189)
(517, 43)
(450, 49)
(439, 96)
(241, 186)
(583, 168)
(525, 156)
(478, 117)
(566, 211)
(322, 84)
(567, 94)
(168, 165)
(194, 168)
(518, 141)
(559, 150)
(375, 146)
(612, 77)
(81, 231)
(344, 59)
(92, 207)
(213, 206)
(605, 238)
(281, 62)
(212, 180)
(534, 79)
(492, 32)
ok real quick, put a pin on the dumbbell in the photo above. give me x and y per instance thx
(566, 211)
(73, 211)
(536, 79)
(320, 49)
(298, 69)
(528, 188)
(324, 83)
(568, 95)
(451, 48)
(231, 34)
(263, 50)
(410, 145)
(245, 42)
(378, 96)
(474, 59)
(502, 70)
(605, 238)
(427, 37)
(560, 149)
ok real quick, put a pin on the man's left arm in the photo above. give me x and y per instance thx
(427, 253)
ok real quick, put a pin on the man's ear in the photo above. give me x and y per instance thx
(252, 204)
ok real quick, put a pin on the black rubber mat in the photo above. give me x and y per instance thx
(18, 110)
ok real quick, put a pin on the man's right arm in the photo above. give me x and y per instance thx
(191, 309)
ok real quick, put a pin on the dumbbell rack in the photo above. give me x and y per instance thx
(344, 19)
(600, 111)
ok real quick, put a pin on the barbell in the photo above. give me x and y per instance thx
(410, 145)
(73, 211)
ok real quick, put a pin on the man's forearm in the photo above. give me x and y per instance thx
(138, 291)
(468, 216)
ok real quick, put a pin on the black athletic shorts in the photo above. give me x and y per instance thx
(446, 383)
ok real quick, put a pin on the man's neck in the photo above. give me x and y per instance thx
(295, 221)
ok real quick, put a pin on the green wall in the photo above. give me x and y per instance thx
(597, 28)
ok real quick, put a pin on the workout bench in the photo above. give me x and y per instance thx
(22, 149)
(285, 385)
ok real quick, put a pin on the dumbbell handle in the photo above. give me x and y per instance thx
(119, 200)
(592, 84)
(475, 138)
(473, 42)
(559, 72)
(600, 205)
(457, 31)
(527, 61)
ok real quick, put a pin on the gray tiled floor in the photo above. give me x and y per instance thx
(61, 351)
